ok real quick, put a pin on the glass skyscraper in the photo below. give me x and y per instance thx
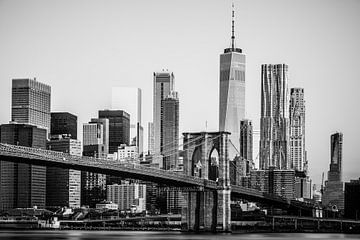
(232, 93)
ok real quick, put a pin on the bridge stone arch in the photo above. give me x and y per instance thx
(207, 210)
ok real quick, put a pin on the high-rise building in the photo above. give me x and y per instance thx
(297, 152)
(129, 100)
(95, 144)
(96, 137)
(150, 138)
(246, 144)
(335, 172)
(334, 187)
(232, 92)
(352, 196)
(274, 181)
(64, 123)
(31, 103)
(22, 185)
(119, 128)
(127, 196)
(63, 185)
(274, 121)
(170, 131)
(163, 86)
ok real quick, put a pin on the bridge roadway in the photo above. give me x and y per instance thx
(42, 157)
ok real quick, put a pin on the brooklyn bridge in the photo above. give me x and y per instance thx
(207, 200)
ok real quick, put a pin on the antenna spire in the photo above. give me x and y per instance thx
(233, 35)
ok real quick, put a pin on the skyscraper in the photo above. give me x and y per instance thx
(129, 100)
(163, 86)
(232, 92)
(150, 138)
(170, 131)
(31, 103)
(297, 152)
(96, 137)
(274, 121)
(95, 144)
(63, 185)
(334, 187)
(119, 128)
(64, 123)
(22, 185)
(246, 143)
(335, 172)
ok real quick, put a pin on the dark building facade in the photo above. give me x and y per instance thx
(63, 185)
(64, 123)
(22, 185)
(352, 196)
(246, 144)
(274, 181)
(334, 187)
(119, 128)
(170, 131)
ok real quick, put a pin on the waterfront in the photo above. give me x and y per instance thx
(105, 235)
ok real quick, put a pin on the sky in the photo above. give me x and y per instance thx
(83, 48)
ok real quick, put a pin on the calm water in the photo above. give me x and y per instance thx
(105, 235)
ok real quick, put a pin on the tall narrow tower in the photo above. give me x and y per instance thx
(297, 130)
(274, 121)
(232, 92)
(163, 86)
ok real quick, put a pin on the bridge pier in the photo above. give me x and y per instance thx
(207, 210)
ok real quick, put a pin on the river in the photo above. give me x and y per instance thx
(107, 235)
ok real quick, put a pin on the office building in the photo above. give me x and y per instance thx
(129, 196)
(128, 154)
(64, 123)
(297, 152)
(352, 196)
(22, 185)
(333, 196)
(335, 172)
(31, 103)
(246, 144)
(95, 144)
(129, 100)
(259, 180)
(163, 86)
(170, 131)
(237, 170)
(63, 185)
(274, 181)
(96, 137)
(274, 120)
(151, 138)
(303, 188)
(119, 128)
(232, 92)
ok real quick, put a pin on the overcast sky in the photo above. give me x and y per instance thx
(84, 48)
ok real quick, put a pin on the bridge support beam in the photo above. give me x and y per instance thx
(207, 211)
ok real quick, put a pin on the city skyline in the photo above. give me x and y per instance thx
(207, 45)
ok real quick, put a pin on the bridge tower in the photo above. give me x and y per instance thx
(206, 156)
